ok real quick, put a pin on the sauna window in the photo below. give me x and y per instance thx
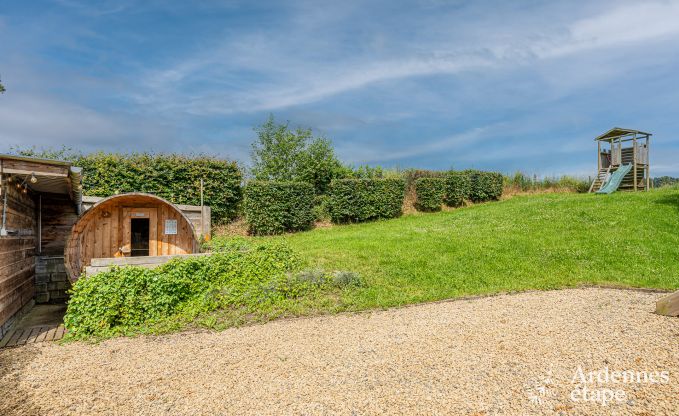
(140, 237)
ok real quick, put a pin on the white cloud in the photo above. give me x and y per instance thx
(290, 78)
(34, 120)
(623, 26)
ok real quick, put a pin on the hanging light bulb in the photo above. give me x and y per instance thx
(33, 178)
(25, 190)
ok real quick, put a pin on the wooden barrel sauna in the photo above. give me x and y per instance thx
(128, 225)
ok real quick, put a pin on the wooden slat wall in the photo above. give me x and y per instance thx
(199, 216)
(100, 233)
(58, 216)
(17, 254)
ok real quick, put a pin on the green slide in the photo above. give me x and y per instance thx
(614, 181)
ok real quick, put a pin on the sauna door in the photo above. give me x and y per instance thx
(140, 232)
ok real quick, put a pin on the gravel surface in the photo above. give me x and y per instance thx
(510, 354)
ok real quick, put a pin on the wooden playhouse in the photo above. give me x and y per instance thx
(622, 161)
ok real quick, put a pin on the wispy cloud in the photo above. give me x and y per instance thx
(432, 82)
(289, 81)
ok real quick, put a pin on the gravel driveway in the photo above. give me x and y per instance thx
(511, 354)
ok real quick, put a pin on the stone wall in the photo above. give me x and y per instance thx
(51, 280)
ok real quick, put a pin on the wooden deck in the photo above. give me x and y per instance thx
(23, 336)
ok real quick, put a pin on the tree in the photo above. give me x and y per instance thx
(282, 154)
(276, 152)
(2, 88)
(318, 165)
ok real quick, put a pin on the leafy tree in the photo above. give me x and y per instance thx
(283, 154)
(318, 165)
(276, 153)
(2, 88)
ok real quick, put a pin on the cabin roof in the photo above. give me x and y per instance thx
(52, 176)
(617, 132)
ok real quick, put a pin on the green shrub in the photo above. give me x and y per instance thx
(485, 186)
(322, 208)
(174, 177)
(412, 175)
(339, 279)
(125, 300)
(171, 176)
(277, 207)
(457, 188)
(358, 200)
(429, 193)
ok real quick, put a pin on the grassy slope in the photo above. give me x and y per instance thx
(528, 242)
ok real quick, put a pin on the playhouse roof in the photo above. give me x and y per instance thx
(617, 132)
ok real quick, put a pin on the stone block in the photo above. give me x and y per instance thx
(41, 287)
(57, 286)
(58, 297)
(59, 277)
(42, 277)
(42, 297)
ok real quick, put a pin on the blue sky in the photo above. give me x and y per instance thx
(504, 85)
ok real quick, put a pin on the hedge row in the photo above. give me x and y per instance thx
(457, 187)
(485, 186)
(171, 176)
(278, 207)
(358, 200)
(430, 192)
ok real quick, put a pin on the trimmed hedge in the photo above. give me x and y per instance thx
(277, 207)
(457, 188)
(485, 186)
(429, 193)
(174, 177)
(358, 200)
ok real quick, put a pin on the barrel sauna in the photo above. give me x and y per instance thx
(128, 225)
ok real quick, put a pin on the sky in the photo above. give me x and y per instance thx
(435, 84)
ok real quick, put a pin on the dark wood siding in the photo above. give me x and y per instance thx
(17, 253)
(58, 216)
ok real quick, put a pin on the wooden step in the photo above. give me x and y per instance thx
(668, 305)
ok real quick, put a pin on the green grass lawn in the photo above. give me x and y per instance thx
(527, 242)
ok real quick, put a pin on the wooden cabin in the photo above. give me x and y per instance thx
(618, 147)
(39, 202)
(129, 225)
(49, 232)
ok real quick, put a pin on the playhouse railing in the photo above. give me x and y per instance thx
(641, 152)
(616, 154)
